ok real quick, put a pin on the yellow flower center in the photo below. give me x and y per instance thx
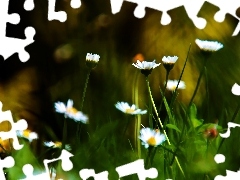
(26, 133)
(129, 110)
(58, 144)
(72, 110)
(151, 141)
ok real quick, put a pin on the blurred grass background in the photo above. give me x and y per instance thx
(56, 72)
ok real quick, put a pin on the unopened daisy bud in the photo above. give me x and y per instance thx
(169, 61)
(92, 60)
(211, 133)
(146, 67)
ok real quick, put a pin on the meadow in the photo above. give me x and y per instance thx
(96, 86)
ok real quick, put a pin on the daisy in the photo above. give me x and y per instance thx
(92, 57)
(172, 84)
(92, 60)
(169, 59)
(209, 46)
(146, 67)
(133, 110)
(57, 144)
(236, 89)
(151, 137)
(27, 134)
(168, 62)
(70, 112)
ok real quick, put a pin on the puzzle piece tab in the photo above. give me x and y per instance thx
(192, 9)
(137, 167)
(66, 166)
(61, 15)
(15, 126)
(6, 163)
(9, 46)
(87, 173)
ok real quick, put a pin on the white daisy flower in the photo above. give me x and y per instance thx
(57, 144)
(144, 65)
(151, 137)
(92, 57)
(172, 84)
(169, 59)
(71, 112)
(27, 134)
(209, 46)
(92, 60)
(133, 110)
(236, 89)
(168, 62)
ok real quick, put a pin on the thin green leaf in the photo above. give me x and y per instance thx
(172, 126)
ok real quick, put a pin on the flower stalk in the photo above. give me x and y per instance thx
(160, 122)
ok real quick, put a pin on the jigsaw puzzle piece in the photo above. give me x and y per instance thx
(137, 167)
(5, 163)
(15, 126)
(66, 166)
(87, 173)
(227, 7)
(28, 5)
(28, 171)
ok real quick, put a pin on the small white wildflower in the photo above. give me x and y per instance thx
(169, 59)
(151, 137)
(126, 108)
(92, 57)
(168, 62)
(57, 144)
(236, 89)
(172, 84)
(209, 46)
(27, 134)
(70, 111)
(146, 67)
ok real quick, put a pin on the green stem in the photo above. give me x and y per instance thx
(160, 122)
(125, 129)
(198, 82)
(207, 92)
(137, 121)
(85, 89)
(64, 133)
(164, 90)
(185, 63)
(79, 126)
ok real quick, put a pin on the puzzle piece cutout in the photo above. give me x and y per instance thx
(87, 173)
(52, 14)
(5, 163)
(15, 126)
(230, 175)
(66, 164)
(220, 158)
(230, 125)
(9, 46)
(192, 9)
(137, 167)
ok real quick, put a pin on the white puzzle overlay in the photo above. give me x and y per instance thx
(9, 46)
